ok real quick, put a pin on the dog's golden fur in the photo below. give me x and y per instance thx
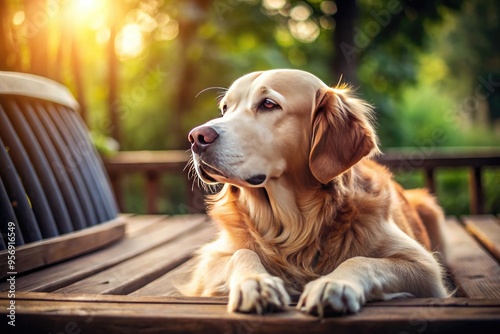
(327, 223)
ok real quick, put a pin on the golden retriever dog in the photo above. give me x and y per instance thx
(303, 210)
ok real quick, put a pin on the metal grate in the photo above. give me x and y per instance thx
(52, 181)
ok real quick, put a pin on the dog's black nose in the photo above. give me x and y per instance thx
(201, 137)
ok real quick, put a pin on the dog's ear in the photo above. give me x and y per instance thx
(341, 133)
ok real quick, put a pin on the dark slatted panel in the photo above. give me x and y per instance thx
(80, 158)
(7, 215)
(67, 167)
(73, 120)
(41, 166)
(52, 181)
(67, 191)
(16, 200)
(34, 191)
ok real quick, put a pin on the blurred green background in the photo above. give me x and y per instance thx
(431, 68)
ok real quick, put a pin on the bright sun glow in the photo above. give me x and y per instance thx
(274, 4)
(87, 12)
(85, 6)
(129, 41)
(305, 31)
(18, 18)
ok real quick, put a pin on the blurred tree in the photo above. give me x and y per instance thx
(37, 14)
(468, 49)
(192, 15)
(346, 53)
(8, 57)
(375, 45)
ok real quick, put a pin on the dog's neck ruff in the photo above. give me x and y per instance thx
(280, 222)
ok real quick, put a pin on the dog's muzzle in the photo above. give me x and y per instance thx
(201, 138)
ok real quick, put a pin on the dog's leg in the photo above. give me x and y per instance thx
(405, 269)
(251, 287)
(433, 218)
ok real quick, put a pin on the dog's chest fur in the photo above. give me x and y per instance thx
(297, 248)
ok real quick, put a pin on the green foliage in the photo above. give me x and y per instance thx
(106, 146)
(408, 71)
(427, 67)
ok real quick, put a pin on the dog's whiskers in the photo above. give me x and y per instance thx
(211, 88)
(196, 180)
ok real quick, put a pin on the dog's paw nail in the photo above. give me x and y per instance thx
(327, 295)
(259, 294)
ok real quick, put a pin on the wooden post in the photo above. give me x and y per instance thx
(115, 179)
(476, 191)
(429, 180)
(37, 36)
(152, 180)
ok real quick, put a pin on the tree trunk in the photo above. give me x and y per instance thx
(346, 53)
(113, 102)
(77, 72)
(4, 36)
(184, 95)
(37, 21)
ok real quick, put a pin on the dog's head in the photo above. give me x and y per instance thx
(278, 123)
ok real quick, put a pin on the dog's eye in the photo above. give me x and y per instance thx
(224, 109)
(269, 104)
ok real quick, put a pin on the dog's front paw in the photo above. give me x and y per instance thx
(327, 294)
(262, 293)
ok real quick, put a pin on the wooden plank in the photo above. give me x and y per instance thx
(128, 299)
(147, 161)
(404, 159)
(487, 230)
(136, 224)
(106, 317)
(476, 273)
(66, 273)
(166, 284)
(132, 274)
(48, 296)
(53, 250)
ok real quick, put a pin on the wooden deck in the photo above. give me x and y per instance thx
(153, 165)
(128, 287)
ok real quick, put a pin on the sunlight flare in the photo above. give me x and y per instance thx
(129, 41)
(18, 18)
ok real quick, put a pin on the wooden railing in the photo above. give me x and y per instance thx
(153, 164)
(475, 159)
